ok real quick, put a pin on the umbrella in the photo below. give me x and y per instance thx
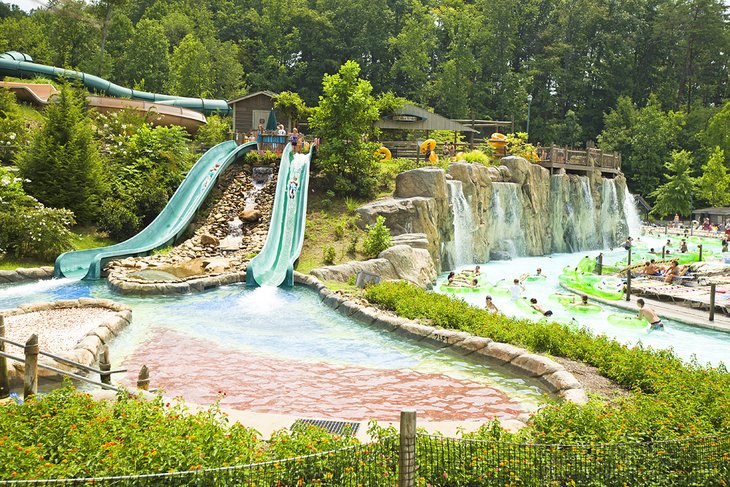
(271, 121)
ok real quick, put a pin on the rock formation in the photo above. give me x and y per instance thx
(514, 209)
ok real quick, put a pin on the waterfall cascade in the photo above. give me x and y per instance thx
(461, 249)
(506, 225)
(633, 220)
(610, 214)
(586, 216)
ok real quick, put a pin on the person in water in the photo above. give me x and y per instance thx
(540, 308)
(293, 186)
(584, 299)
(648, 313)
(683, 247)
(489, 306)
(516, 289)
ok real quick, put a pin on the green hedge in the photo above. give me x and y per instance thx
(669, 398)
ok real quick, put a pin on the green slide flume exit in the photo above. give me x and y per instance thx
(169, 224)
(274, 265)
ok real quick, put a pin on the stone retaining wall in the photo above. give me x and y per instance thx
(553, 376)
(26, 274)
(86, 351)
(127, 285)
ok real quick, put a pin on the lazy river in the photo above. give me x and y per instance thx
(707, 346)
(282, 351)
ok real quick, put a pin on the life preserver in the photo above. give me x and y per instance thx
(383, 154)
(627, 321)
(427, 146)
(588, 308)
(433, 158)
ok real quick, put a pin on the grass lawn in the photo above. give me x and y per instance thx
(86, 238)
(330, 223)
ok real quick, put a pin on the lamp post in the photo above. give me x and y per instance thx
(529, 105)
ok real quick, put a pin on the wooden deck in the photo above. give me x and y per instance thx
(579, 161)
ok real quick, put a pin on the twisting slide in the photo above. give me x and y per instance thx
(169, 224)
(274, 265)
(13, 63)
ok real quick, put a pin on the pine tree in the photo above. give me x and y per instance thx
(62, 161)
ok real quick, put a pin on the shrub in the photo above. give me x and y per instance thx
(118, 220)
(377, 239)
(262, 158)
(214, 132)
(13, 131)
(329, 254)
(476, 156)
(352, 246)
(27, 228)
(339, 231)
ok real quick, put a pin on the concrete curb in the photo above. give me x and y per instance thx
(26, 274)
(549, 373)
(86, 351)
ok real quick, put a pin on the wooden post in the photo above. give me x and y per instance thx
(628, 285)
(407, 457)
(30, 383)
(599, 267)
(629, 263)
(104, 365)
(4, 381)
(664, 251)
(666, 229)
(143, 379)
(712, 301)
(700, 256)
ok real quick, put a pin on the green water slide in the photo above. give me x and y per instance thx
(169, 224)
(274, 265)
(17, 64)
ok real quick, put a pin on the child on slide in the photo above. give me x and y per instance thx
(293, 186)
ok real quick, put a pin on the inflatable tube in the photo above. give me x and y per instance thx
(383, 154)
(586, 309)
(427, 146)
(524, 305)
(464, 289)
(500, 288)
(586, 264)
(535, 277)
(626, 321)
(563, 298)
(433, 158)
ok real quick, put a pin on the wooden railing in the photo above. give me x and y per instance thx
(589, 158)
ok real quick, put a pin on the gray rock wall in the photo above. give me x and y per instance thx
(558, 213)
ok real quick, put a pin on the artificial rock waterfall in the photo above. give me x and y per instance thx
(472, 213)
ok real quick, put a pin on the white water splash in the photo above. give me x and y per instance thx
(633, 220)
(506, 222)
(461, 249)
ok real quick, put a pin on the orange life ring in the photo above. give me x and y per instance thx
(383, 154)
(427, 146)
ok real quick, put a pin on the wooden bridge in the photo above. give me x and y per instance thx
(556, 158)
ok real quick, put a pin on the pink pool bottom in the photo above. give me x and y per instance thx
(200, 370)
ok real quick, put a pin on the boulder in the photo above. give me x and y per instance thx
(535, 365)
(415, 240)
(576, 396)
(494, 175)
(501, 352)
(518, 167)
(425, 181)
(250, 216)
(206, 239)
(216, 264)
(32, 273)
(505, 173)
(464, 172)
(413, 265)
(343, 272)
(499, 255)
(561, 380)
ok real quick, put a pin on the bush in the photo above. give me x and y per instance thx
(476, 157)
(377, 239)
(13, 131)
(214, 132)
(27, 228)
(669, 399)
(329, 254)
(262, 158)
(118, 220)
(339, 231)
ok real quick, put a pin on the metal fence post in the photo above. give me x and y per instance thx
(30, 383)
(407, 451)
(4, 381)
(712, 301)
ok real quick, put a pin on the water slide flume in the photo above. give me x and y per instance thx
(169, 224)
(13, 63)
(274, 265)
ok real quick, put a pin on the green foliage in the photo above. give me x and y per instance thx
(517, 145)
(13, 132)
(329, 254)
(214, 132)
(377, 239)
(262, 158)
(645, 137)
(62, 161)
(669, 398)
(446, 137)
(714, 184)
(191, 69)
(717, 133)
(27, 228)
(67, 434)
(675, 196)
(476, 157)
(118, 220)
(145, 63)
(344, 117)
(291, 106)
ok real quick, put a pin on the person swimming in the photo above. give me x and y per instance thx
(489, 306)
(648, 313)
(540, 308)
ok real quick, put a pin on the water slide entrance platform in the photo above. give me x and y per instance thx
(274, 265)
(169, 225)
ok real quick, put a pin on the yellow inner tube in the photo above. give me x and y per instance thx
(433, 157)
(383, 154)
(427, 146)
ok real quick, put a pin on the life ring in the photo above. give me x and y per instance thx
(526, 307)
(383, 154)
(588, 308)
(427, 146)
(433, 158)
(497, 140)
(627, 321)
